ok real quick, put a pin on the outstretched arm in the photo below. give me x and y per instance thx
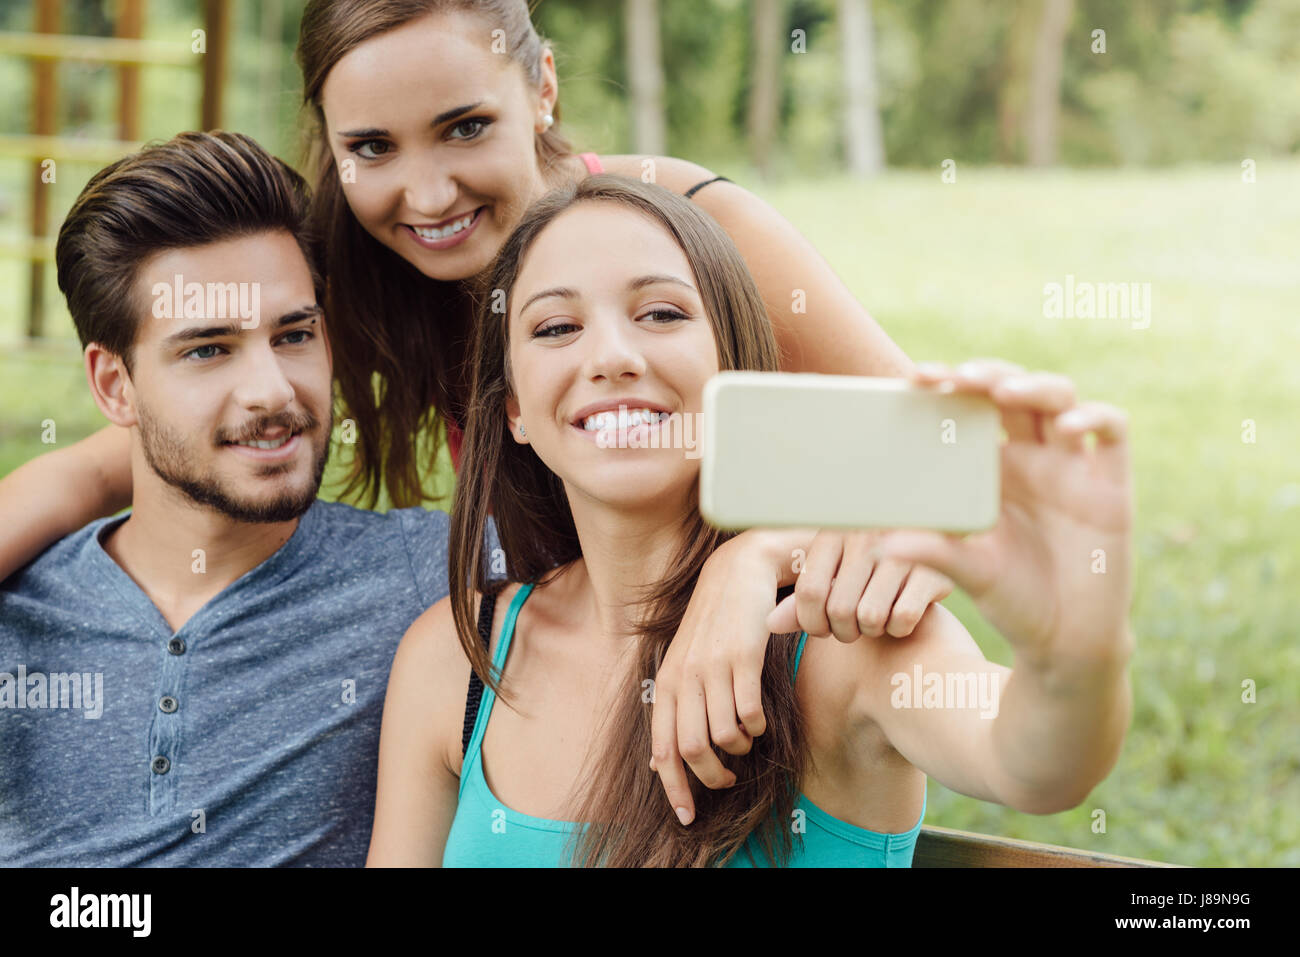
(1054, 576)
(57, 493)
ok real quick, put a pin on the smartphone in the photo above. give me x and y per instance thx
(802, 449)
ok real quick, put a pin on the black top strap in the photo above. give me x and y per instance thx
(699, 186)
(486, 609)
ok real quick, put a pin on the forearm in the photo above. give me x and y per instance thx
(57, 493)
(1058, 733)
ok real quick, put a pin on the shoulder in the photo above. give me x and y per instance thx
(672, 173)
(431, 672)
(66, 562)
(347, 519)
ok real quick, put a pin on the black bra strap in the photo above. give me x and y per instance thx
(699, 186)
(486, 609)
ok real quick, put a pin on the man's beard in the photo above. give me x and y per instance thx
(167, 455)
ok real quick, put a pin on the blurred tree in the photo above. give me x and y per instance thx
(1043, 118)
(645, 76)
(764, 91)
(863, 139)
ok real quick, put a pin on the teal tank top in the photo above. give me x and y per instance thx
(486, 833)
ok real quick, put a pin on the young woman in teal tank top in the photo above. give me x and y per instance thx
(608, 309)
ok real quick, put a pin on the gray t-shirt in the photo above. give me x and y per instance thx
(250, 737)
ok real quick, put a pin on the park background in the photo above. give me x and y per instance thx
(950, 158)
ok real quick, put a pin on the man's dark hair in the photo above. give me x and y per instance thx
(195, 189)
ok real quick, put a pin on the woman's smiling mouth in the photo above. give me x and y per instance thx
(448, 233)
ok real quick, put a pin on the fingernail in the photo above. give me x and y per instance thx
(683, 815)
(931, 368)
(1017, 385)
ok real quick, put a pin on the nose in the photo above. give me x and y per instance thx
(430, 189)
(263, 386)
(611, 350)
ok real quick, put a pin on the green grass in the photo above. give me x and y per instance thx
(956, 271)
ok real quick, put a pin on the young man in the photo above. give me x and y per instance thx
(200, 682)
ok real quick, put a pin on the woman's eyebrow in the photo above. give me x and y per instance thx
(642, 281)
(443, 117)
(562, 292)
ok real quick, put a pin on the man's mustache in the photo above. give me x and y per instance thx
(257, 428)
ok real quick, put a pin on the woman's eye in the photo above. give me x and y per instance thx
(552, 330)
(288, 338)
(665, 315)
(476, 126)
(201, 352)
(366, 149)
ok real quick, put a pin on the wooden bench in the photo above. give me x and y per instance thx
(944, 847)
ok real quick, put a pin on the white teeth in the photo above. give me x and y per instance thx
(260, 444)
(451, 230)
(623, 419)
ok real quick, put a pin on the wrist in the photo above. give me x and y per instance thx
(760, 552)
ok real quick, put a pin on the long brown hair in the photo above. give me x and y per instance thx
(631, 823)
(399, 338)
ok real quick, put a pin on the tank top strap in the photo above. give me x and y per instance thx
(798, 655)
(489, 696)
(592, 162)
(508, 630)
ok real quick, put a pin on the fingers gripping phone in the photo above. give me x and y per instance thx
(803, 449)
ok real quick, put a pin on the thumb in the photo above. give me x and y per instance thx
(783, 618)
(945, 552)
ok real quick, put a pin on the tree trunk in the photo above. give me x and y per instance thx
(645, 76)
(764, 91)
(864, 142)
(1042, 121)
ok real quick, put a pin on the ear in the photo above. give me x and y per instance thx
(513, 420)
(110, 385)
(549, 91)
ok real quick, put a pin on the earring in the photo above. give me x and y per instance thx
(548, 121)
(521, 429)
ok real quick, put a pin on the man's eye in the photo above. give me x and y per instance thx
(476, 126)
(366, 149)
(297, 332)
(552, 330)
(202, 352)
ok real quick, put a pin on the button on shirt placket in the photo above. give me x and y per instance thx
(165, 728)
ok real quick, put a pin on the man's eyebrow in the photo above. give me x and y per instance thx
(220, 332)
(367, 133)
(372, 132)
(563, 292)
(298, 315)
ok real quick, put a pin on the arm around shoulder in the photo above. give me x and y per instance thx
(55, 494)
